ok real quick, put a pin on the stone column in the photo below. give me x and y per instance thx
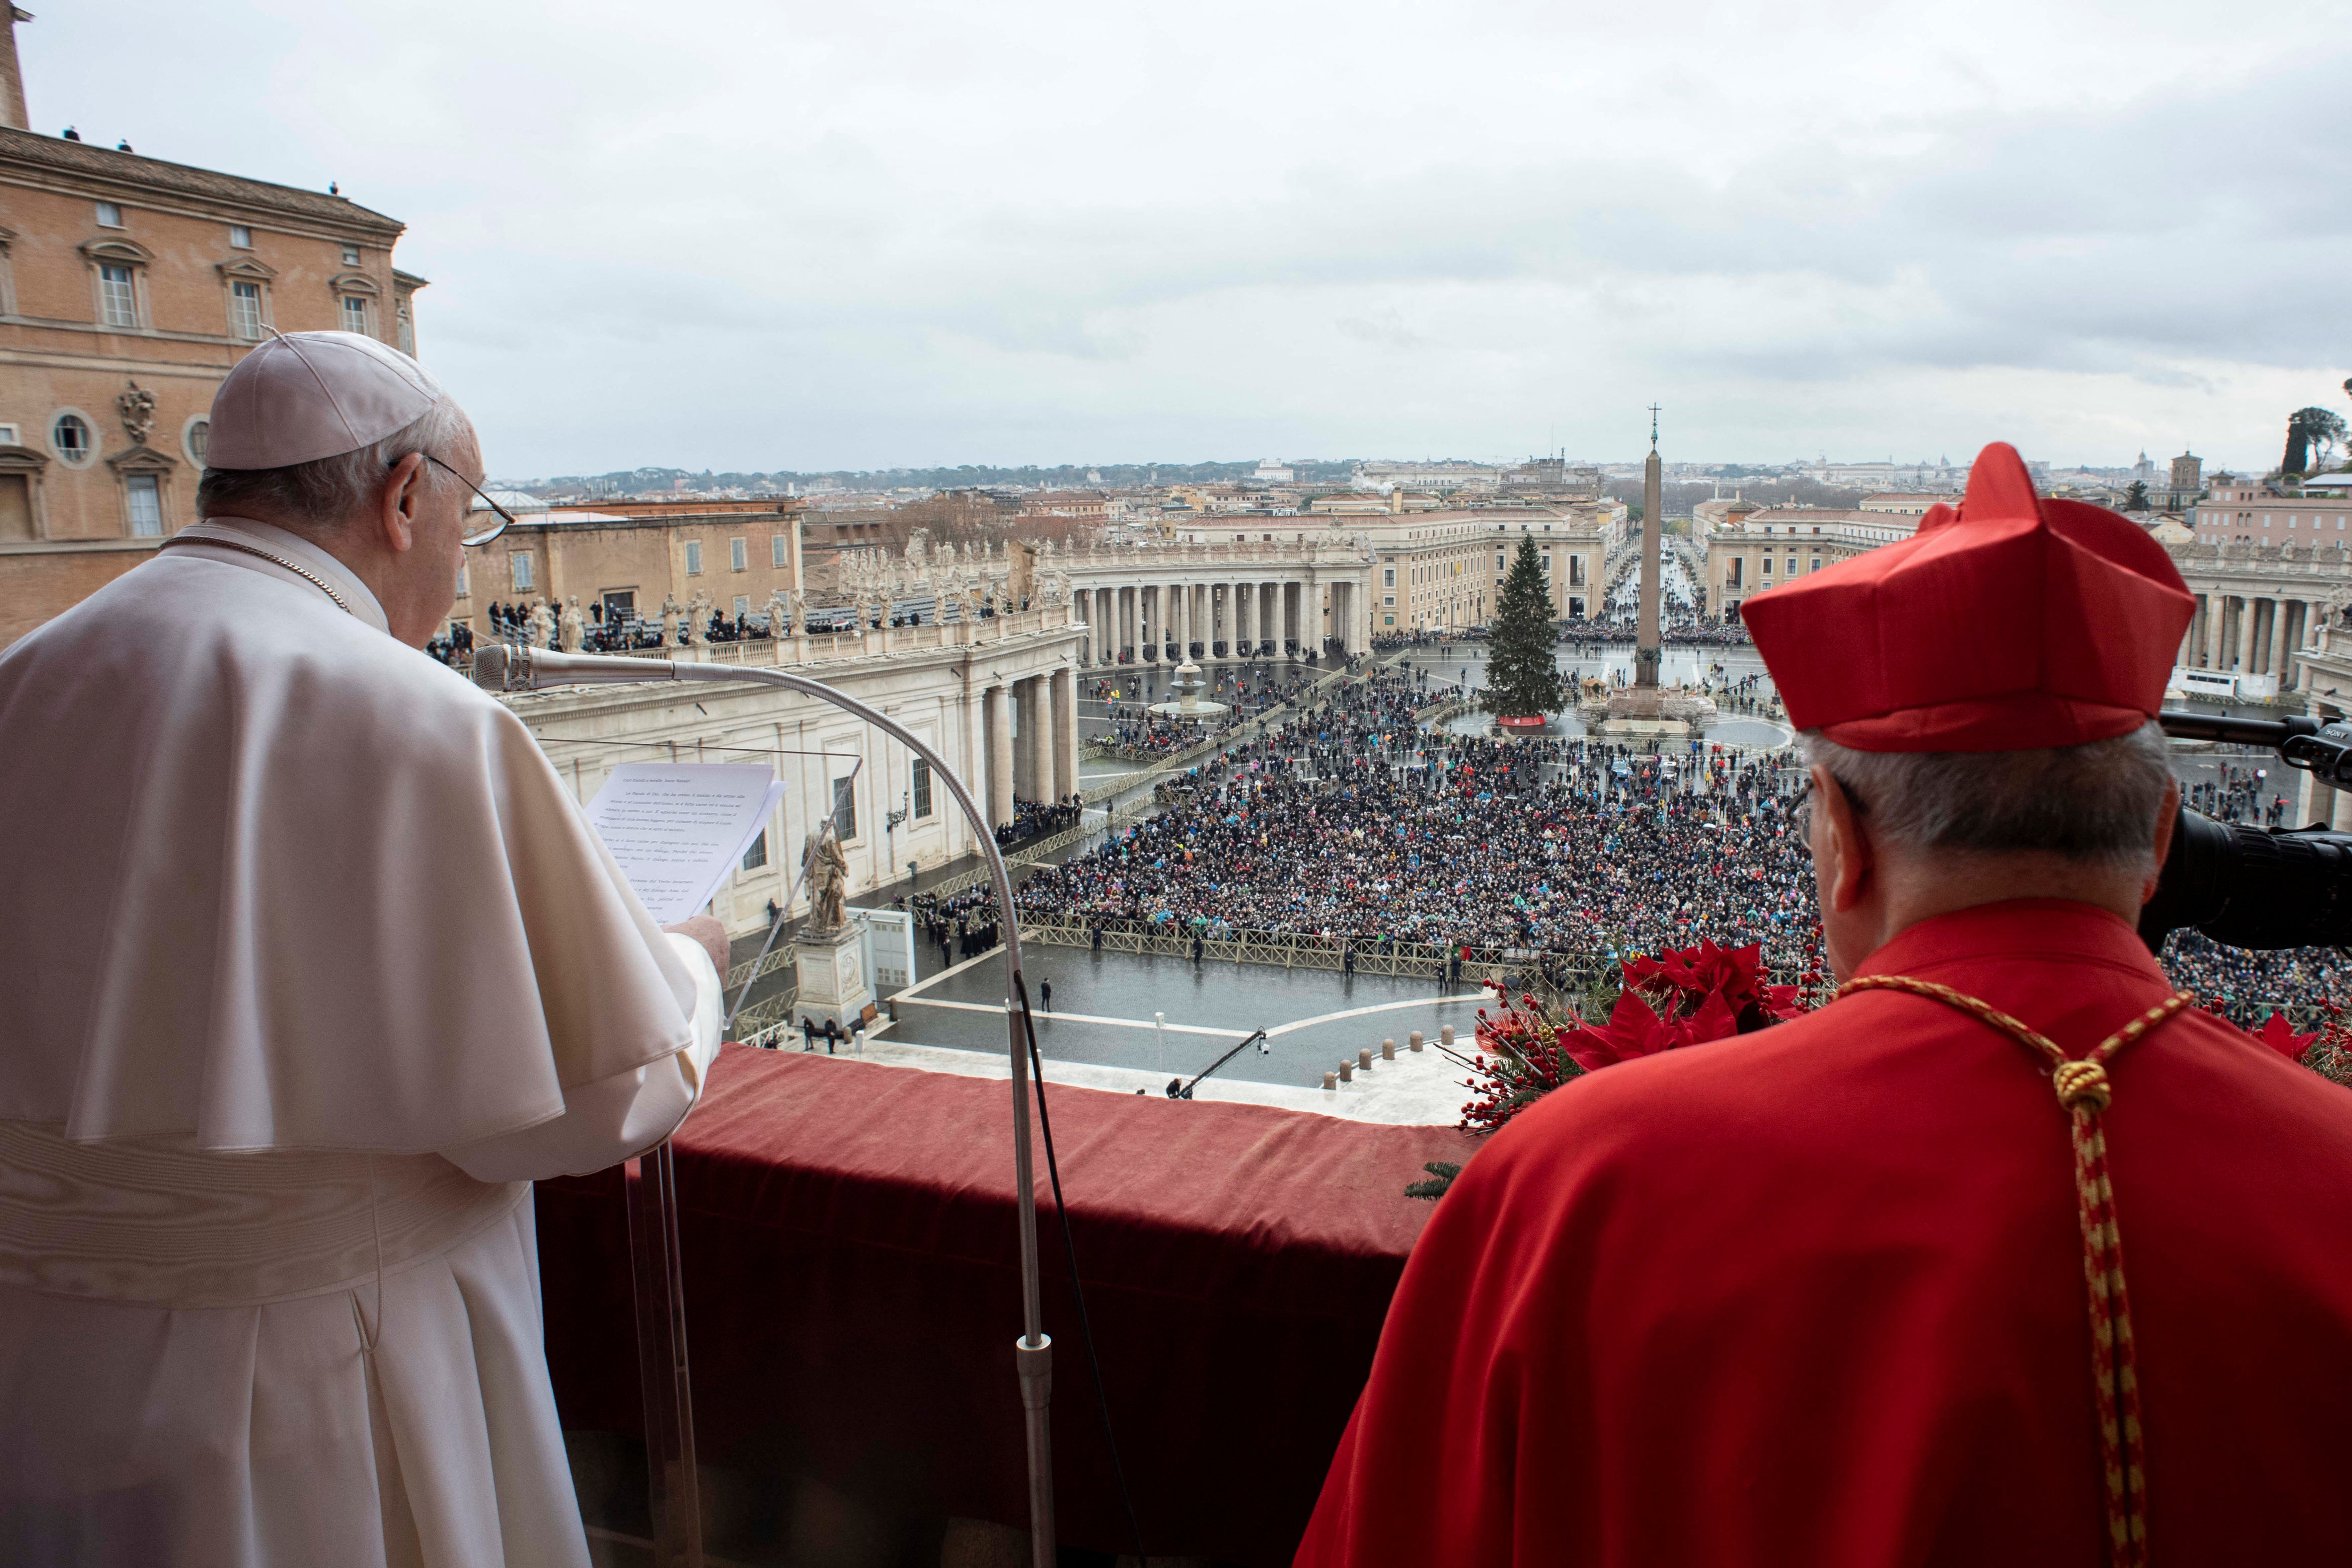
(2246, 637)
(997, 724)
(1037, 736)
(2298, 626)
(1025, 739)
(2265, 636)
(1066, 732)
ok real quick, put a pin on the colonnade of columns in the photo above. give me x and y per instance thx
(1225, 619)
(2250, 635)
(1029, 729)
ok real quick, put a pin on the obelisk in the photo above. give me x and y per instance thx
(1645, 647)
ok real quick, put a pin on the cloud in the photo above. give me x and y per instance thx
(744, 235)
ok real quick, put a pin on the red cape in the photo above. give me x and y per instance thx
(1815, 1296)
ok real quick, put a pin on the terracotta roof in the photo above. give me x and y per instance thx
(26, 150)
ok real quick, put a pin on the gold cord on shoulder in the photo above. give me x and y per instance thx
(270, 556)
(2084, 1090)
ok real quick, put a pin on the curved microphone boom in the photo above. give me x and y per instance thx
(508, 668)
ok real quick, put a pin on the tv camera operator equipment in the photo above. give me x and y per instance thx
(652, 1182)
(2252, 886)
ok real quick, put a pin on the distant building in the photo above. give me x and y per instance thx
(128, 286)
(1442, 477)
(1939, 476)
(1084, 506)
(629, 557)
(1905, 503)
(1767, 549)
(1271, 472)
(2188, 483)
(1710, 517)
(2240, 511)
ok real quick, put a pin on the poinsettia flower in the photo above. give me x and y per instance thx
(2280, 1036)
(1632, 1030)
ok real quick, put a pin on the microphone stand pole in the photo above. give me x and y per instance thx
(522, 667)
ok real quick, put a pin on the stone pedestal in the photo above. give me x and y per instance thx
(833, 981)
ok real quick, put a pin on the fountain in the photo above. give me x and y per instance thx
(1186, 683)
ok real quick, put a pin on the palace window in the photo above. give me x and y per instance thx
(742, 606)
(350, 255)
(757, 855)
(779, 550)
(1768, 566)
(245, 310)
(239, 236)
(694, 558)
(109, 216)
(355, 314)
(198, 439)
(118, 297)
(1817, 564)
(845, 809)
(144, 501)
(922, 789)
(69, 437)
(522, 564)
(739, 555)
(463, 591)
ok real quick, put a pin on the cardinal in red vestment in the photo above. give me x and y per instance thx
(2010, 1256)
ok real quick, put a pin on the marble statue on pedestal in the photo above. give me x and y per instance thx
(828, 955)
(574, 626)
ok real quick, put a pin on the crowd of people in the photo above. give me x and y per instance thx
(2239, 794)
(1036, 818)
(1351, 821)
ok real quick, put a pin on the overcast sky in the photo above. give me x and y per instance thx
(758, 236)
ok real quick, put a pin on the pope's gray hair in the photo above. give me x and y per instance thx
(328, 490)
(2094, 802)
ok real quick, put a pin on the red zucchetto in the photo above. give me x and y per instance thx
(2008, 624)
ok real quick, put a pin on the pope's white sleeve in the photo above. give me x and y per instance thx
(613, 1118)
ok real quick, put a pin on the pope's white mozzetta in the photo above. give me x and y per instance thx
(311, 965)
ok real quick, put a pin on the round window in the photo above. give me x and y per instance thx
(70, 435)
(200, 433)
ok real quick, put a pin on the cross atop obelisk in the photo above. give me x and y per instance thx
(1645, 647)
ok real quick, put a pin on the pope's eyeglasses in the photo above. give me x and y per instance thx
(480, 536)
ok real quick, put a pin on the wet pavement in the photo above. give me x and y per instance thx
(1104, 1003)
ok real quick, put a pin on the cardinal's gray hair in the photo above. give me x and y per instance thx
(2093, 803)
(329, 491)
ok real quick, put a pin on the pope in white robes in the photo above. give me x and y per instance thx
(309, 965)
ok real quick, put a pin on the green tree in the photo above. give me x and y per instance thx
(2310, 432)
(2136, 498)
(1521, 678)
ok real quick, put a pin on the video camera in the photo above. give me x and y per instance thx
(2252, 886)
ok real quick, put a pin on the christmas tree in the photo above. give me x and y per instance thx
(1522, 681)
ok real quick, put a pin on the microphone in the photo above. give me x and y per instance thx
(518, 667)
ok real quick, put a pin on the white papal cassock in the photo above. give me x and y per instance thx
(311, 966)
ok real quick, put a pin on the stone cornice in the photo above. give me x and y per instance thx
(82, 168)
